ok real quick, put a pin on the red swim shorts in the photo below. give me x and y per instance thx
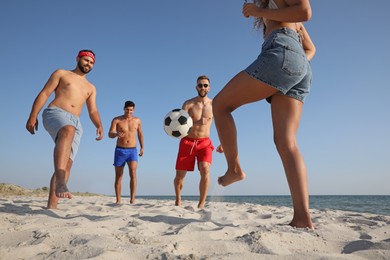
(190, 149)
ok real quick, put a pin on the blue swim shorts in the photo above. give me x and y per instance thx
(282, 64)
(123, 155)
(55, 118)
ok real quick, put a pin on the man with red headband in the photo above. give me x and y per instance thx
(62, 118)
(87, 53)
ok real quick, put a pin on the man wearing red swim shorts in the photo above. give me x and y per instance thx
(196, 146)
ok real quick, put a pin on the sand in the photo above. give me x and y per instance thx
(94, 227)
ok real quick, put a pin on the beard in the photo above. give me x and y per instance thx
(84, 69)
(202, 93)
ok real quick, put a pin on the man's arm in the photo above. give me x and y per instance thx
(40, 100)
(186, 106)
(140, 138)
(113, 132)
(94, 114)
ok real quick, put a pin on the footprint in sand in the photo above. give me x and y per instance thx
(39, 236)
(205, 215)
(357, 246)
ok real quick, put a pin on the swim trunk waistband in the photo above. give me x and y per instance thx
(63, 110)
(195, 139)
(121, 147)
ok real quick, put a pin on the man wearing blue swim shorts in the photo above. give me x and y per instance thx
(62, 119)
(126, 128)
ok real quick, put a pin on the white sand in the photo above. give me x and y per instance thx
(93, 227)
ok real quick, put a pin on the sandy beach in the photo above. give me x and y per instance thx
(94, 227)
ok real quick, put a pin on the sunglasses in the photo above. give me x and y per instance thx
(203, 85)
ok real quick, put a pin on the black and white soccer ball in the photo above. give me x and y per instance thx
(177, 123)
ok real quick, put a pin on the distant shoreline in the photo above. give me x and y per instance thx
(375, 204)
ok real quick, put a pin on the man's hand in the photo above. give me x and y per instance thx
(120, 134)
(99, 133)
(32, 125)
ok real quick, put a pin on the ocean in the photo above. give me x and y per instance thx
(376, 204)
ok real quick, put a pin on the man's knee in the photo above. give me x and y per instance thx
(119, 171)
(133, 173)
(180, 175)
(66, 131)
(204, 168)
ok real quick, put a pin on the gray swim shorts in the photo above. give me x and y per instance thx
(55, 118)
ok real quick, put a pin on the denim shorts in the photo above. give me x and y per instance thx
(282, 64)
(55, 118)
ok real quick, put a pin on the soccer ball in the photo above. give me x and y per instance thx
(177, 123)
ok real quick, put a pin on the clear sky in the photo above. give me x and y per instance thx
(152, 53)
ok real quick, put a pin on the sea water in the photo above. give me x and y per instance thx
(377, 204)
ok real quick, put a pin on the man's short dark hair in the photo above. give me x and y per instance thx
(129, 104)
(203, 77)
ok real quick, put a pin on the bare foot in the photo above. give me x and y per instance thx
(52, 202)
(177, 203)
(132, 201)
(201, 205)
(52, 205)
(62, 191)
(302, 224)
(230, 177)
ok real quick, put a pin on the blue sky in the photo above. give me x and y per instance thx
(152, 53)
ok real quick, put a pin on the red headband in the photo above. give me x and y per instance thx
(86, 53)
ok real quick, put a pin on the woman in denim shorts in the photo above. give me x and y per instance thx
(282, 75)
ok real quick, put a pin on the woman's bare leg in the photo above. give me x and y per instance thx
(240, 90)
(286, 114)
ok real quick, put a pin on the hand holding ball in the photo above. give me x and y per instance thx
(177, 123)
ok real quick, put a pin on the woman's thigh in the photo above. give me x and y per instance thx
(242, 89)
